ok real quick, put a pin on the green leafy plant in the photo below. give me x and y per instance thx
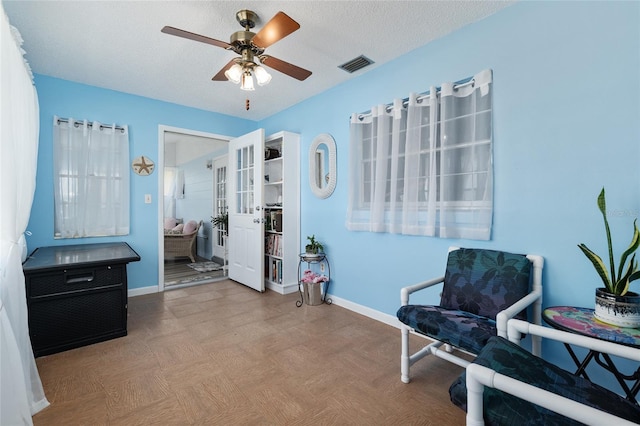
(313, 246)
(221, 221)
(615, 284)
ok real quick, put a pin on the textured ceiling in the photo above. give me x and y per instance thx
(118, 44)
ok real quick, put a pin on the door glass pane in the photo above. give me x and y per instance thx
(244, 178)
(221, 200)
(239, 181)
(250, 178)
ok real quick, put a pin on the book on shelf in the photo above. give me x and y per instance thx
(278, 248)
(273, 220)
(276, 271)
(273, 246)
(268, 247)
(278, 221)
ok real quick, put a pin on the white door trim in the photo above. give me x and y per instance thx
(160, 194)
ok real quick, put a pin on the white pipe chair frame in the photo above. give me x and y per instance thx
(479, 376)
(534, 298)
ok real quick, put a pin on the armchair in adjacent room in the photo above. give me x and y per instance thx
(482, 290)
(181, 240)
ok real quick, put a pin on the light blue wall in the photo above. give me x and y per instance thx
(566, 122)
(143, 116)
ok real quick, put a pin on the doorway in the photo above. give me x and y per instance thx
(186, 192)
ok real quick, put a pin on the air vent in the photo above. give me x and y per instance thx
(356, 64)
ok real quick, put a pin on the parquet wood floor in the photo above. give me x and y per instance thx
(224, 354)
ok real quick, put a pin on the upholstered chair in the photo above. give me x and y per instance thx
(482, 289)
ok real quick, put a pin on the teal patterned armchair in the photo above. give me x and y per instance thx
(507, 385)
(482, 290)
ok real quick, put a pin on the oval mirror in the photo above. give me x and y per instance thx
(322, 165)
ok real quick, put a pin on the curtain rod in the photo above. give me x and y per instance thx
(405, 102)
(457, 85)
(78, 123)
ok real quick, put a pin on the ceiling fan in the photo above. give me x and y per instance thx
(250, 46)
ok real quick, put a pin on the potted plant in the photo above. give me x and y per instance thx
(313, 246)
(615, 304)
(221, 221)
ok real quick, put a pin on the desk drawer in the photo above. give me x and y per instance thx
(59, 323)
(73, 280)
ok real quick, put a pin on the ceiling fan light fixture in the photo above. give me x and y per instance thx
(247, 82)
(249, 45)
(262, 76)
(234, 74)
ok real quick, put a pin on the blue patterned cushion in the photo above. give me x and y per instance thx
(458, 328)
(485, 282)
(511, 360)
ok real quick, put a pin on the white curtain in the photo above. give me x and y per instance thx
(424, 166)
(21, 392)
(91, 184)
(179, 185)
(170, 174)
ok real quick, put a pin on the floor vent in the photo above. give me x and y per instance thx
(356, 64)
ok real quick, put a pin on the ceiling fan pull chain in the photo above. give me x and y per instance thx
(247, 104)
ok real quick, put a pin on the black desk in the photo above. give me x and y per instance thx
(76, 295)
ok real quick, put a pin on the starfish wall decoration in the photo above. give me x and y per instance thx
(143, 166)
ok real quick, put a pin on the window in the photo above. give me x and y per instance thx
(424, 166)
(221, 201)
(244, 180)
(91, 179)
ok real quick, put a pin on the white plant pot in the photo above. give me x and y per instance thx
(312, 257)
(622, 311)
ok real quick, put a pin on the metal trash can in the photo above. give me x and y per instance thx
(312, 293)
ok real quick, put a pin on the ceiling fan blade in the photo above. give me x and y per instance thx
(280, 26)
(285, 67)
(196, 37)
(220, 76)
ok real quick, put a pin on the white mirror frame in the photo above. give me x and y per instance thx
(326, 191)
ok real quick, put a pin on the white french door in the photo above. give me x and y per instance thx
(219, 203)
(246, 233)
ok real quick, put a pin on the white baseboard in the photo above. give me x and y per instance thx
(142, 290)
(367, 312)
(282, 289)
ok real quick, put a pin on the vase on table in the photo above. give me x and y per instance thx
(622, 311)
